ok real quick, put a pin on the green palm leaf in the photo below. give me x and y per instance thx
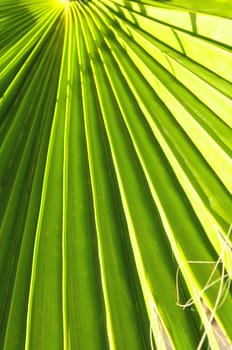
(115, 174)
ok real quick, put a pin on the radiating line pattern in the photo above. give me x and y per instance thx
(116, 172)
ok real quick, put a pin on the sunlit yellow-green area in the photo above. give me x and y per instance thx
(115, 175)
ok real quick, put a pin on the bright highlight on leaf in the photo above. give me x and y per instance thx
(115, 175)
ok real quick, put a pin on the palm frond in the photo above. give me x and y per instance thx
(115, 174)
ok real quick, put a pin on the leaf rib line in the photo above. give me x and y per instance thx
(67, 53)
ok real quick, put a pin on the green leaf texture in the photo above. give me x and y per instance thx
(116, 174)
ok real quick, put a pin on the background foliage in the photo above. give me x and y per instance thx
(115, 174)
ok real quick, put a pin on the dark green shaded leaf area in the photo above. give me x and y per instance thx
(115, 174)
